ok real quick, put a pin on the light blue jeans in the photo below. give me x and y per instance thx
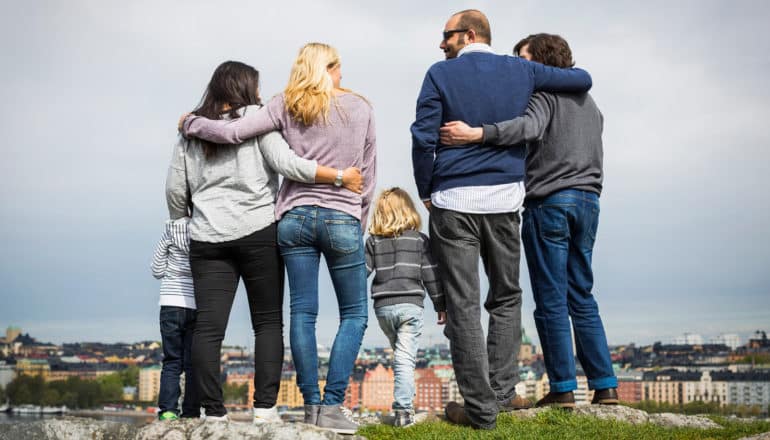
(402, 324)
(304, 233)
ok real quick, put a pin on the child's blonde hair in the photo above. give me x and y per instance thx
(394, 213)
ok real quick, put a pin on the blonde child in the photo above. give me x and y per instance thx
(404, 269)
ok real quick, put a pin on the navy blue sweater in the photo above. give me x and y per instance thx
(478, 88)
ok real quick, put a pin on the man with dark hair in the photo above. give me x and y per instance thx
(474, 193)
(522, 45)
(564, 181)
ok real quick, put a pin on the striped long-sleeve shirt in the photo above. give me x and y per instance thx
(404, 270)
(171, 265)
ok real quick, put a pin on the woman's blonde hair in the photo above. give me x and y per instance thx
(309, 92)
(394, 213)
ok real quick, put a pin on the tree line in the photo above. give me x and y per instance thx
(73, 392)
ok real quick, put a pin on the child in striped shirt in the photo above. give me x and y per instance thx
(400, 256)
(171, 265)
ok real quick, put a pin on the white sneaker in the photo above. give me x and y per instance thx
(223, 418)
(266, 415)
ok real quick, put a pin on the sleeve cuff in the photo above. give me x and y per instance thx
(490, 134)
(439, 305)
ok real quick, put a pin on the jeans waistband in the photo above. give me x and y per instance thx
(579, 194)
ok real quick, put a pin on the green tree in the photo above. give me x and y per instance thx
(235, 393)
(111, 388)
(756, 358)
(26, 390)
(50, 397)
(70, 399)
(88, 392)
(130, 376)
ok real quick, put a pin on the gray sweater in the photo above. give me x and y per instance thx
(564, 132)
(232, 193)
(404, 270)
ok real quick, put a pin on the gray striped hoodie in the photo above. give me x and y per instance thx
(171, 265)
(404, 270)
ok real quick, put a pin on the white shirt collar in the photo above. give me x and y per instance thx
(475, 47)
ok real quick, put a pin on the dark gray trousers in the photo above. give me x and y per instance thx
(486, 372)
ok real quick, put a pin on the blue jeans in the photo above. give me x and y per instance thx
(304, 233)
(558, 234)
(176, 331)
(402, 324)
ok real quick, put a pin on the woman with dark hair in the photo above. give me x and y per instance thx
(231, 192)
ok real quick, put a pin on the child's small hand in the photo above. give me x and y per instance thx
(441, 318)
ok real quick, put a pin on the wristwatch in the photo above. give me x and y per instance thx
(338, 180)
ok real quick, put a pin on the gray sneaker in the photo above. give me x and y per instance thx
(404, 418)
(311, 414)
(337, 419)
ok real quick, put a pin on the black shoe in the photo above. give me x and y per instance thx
(558, 400)
(607, 396)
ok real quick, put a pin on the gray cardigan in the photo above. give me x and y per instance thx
(564, 132)
(232, 193)
(404, 269)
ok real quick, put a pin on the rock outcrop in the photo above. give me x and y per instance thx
(75, 428)
(67, 428)
(633, 416)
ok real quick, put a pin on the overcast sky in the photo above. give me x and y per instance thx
(91, 91)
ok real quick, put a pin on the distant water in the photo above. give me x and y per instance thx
(26, 418)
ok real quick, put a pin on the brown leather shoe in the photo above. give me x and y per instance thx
(608, 396)
(515, 403)
(559, 400)
(455, 413)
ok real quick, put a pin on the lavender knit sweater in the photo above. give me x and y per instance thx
(348, 139)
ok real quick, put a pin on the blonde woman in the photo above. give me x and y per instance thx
(321, 121)
(404, 269)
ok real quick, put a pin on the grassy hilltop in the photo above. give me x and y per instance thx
(556, 424)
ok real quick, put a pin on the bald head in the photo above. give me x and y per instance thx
(476, 21)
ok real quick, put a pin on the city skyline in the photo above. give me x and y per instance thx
(731, 340)
(93, 92)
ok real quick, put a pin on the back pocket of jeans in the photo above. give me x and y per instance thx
(344, 235)
(554, 222)
(290, 230)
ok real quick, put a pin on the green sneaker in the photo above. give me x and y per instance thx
(168, 415)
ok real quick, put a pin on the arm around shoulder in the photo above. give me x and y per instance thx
(221, 131)
(555, 79)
